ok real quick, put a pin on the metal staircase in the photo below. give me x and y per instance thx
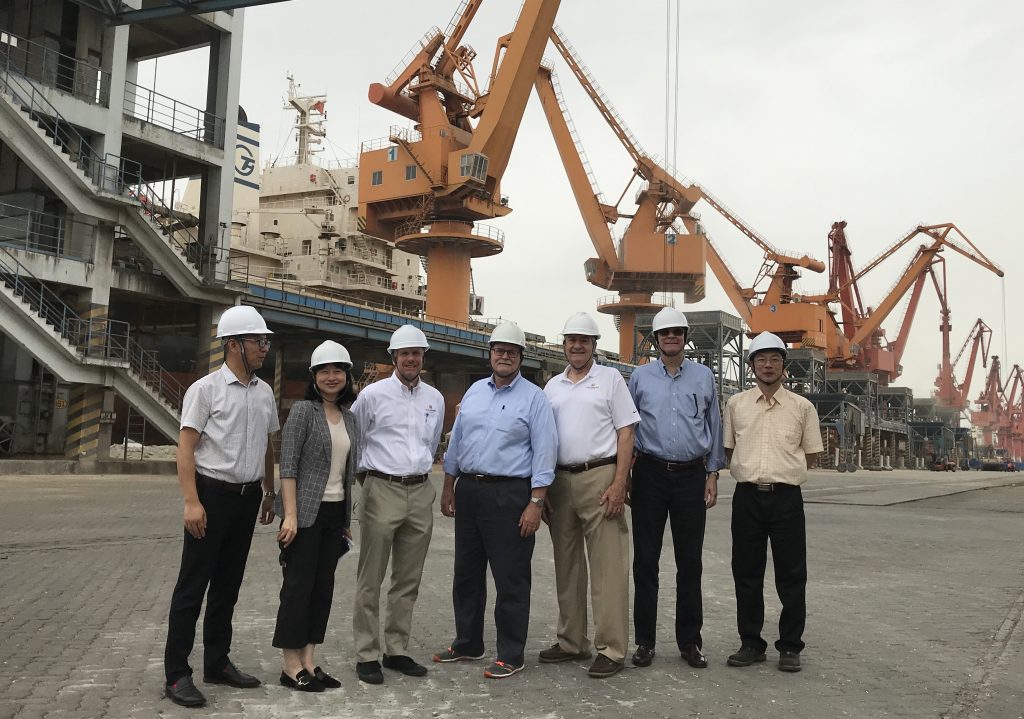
(110, 188)
(95, 351)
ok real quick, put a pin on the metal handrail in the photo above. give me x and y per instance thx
(57, 70)
(45, 233)
(114, 174)
(94, 338)
(179, 117)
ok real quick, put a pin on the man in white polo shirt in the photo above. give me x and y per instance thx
(595, 418)
(400, 421)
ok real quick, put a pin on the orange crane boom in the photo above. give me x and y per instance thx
(654, 253)
(427, 188)
(951, 393)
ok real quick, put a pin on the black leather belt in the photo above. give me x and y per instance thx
(769, 486)
(230, 487)
(584, 466)
(671, 466)
(493, 478)
(407, 480)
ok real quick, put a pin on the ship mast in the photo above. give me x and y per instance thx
(312, 112)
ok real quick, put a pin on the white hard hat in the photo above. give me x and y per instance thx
(669, 317)
(408, 336)
(330, 352)
(508, 332)
(241, 320)
(766, 341)
(581, 324)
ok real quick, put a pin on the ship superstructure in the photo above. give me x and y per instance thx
(300, 224)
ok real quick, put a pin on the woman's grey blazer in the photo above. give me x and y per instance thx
(306, 455)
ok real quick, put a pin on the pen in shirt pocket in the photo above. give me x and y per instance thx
(696, 407)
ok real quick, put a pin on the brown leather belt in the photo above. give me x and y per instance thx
(230, 487)
(584, 466)
(407, 480)
(493, 478)
(671, 466)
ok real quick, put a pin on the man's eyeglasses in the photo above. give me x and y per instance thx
(762, 360)
(262, 342)
(498, 352)
(674, 331)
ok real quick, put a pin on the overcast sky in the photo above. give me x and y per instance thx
(795, 113)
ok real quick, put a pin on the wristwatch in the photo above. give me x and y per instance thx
(269, 494)
(539, 501)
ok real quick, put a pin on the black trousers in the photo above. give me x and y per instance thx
(215, 562)
(487, 532)
(308, 565)
(677, 496)
(756, 518)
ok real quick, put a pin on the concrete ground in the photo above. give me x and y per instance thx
(915, 600)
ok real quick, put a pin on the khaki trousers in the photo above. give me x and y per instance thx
(395, 522)
(578, 518)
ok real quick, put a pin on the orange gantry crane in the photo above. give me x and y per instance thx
(955, 394)
(653, 254)
(865, 346)
(426, 188)
(990, 404)
(809, 321)
(1008, 428)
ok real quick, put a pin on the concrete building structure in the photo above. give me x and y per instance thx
(100, 273)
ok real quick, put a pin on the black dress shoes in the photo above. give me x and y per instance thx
(184, 693)
(231, 676)
(643, 656)
(746, 656)
(369, 672)
(303, 682)
(694, 657)
(406, 665)
(326, 679)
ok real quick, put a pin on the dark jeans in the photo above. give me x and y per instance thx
(487, 531)
(677, 496)
(217, 561)
(756, 518)
(308, 565)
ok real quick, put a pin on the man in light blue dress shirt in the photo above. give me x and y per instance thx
(675, 478)
(502, 453)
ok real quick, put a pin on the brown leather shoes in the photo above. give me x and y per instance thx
(692, 655)
(603, 667)
(556, 655)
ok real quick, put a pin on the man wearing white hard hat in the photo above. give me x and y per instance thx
(675, 478)
(502, 453)
(224, 456)
(772, 438)
(595, 417)
(400, 420)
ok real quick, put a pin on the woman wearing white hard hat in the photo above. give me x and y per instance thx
(318, 463)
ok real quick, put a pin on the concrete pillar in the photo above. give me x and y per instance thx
(108, 145)
(209, 349)
(279, 355)
(85, 434)
(218, 183)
